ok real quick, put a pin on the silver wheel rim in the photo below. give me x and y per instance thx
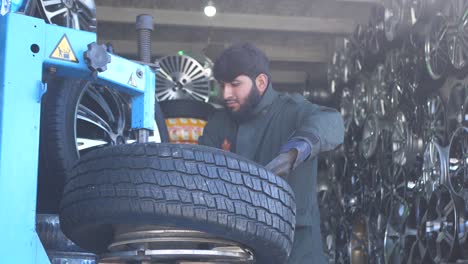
(458, 161)
(441, 224)
(100, 118)
(154, 243)
(433, 170)
(77, 14)
(346, 107)
(435, 121)
(380, 96)
(435, 48)
(457, 32)
(182, 77)
(361, 100)
(370, 136)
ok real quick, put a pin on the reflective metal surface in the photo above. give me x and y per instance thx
(77, 14)
(435, 49)
(102, 118)
(182, 77)
(165, 244)
(458, 161)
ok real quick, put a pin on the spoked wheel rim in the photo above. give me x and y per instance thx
(182, 77)
(411, 235)
(435, 48)
(400, 137)
(376, 228)
(442, 224)
(335, 72)
(435, 125)
(101, 119)
(361, 100)
(346, 107)
(458, 161)
(380, 95)
(458, 102)
(393, 242)
(352, 60)
(77, 14)
(416, 10)
(358, 245)
(370, 136)
(457, 33)
(397, 214)
(376, 34)
(434, 169)
(395, 18)
(406, 145)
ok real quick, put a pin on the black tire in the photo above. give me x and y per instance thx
(57, 143)
(186, 108)
(241, 202)
(58, 148)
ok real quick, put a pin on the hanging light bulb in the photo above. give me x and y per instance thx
(210, 9)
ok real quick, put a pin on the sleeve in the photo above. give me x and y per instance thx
(303, 149)
(322, 127)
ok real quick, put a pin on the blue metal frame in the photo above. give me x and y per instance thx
(26, 45)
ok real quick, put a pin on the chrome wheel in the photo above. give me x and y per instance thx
(457, 105)
(371, 134)
(381, 97)
(406, 146)
(352, 59)
(102, 118)
(435, 48)
(361, 100)
(346, 107)
(458, 161)
(182, 77)
(396, 18)
(375, 31)
(418, 252)
(158, 244)
(335, 72)
(457, 32)
(77, 14)
(435, 120)
(434, 170)
(442, 224)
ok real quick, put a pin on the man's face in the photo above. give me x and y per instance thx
(240, 95)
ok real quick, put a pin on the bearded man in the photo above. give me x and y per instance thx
(283, 132)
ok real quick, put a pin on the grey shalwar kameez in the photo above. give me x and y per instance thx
(276, 119)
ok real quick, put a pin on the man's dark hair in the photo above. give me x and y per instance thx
(241, 59)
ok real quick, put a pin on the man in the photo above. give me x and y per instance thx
(284, 132)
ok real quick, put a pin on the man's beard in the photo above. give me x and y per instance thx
(246, 110)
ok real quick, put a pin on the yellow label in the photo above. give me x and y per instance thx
(63, 51)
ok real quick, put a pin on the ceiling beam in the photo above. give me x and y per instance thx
(228, 20)
(274, 53)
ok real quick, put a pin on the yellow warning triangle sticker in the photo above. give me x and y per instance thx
(63, 51)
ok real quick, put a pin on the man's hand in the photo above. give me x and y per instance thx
(283, 164)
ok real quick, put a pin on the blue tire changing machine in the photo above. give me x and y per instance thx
(30, 53)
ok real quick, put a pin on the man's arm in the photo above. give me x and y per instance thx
(322, 127)
(318, 129)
